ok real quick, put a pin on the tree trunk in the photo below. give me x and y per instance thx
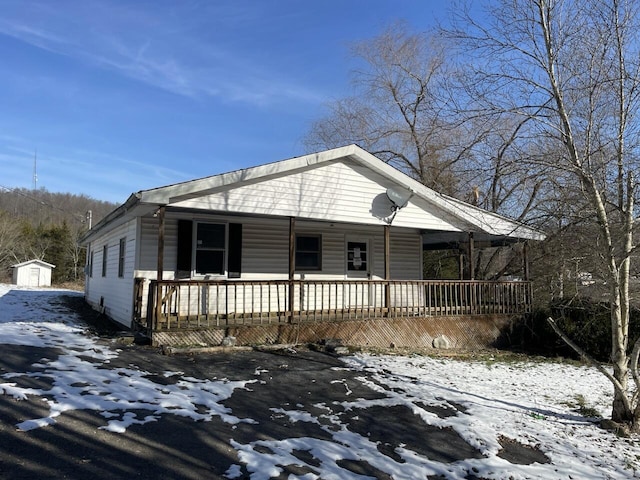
(620, 410)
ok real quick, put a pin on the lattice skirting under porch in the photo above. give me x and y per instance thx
(462, 332)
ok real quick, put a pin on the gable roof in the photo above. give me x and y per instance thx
(474, 218)
(29, 262)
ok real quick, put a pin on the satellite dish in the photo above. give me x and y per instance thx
(399, 197)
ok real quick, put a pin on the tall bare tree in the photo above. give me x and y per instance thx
(410, 108)
(398, 111)
(572, 68)
(9, 239)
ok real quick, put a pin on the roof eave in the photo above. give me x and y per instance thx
(455, 207)
(119, 213)
(191, 189)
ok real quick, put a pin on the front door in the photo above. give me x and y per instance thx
(358, 267)
(358, 261)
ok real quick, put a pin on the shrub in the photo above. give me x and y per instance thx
(586, 322)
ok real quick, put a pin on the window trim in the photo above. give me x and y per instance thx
(317, 268)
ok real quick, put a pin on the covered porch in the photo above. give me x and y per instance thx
(219, 304)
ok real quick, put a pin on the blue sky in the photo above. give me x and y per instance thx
(120, 96)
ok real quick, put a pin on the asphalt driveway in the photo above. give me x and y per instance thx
(81, 409)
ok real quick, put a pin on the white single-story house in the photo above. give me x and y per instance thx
(328, 236)
(32, 273)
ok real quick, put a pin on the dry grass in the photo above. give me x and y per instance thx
(76, 286)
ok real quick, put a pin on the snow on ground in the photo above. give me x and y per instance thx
(531, 402)
(488, 402)
(80, 379)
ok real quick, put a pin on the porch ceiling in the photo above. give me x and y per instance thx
(437, 240)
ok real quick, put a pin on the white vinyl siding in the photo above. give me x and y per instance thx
(406, 256)
(116, 292)
(340, 191)
(265, 248)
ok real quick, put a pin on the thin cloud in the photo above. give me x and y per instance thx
(152, 50)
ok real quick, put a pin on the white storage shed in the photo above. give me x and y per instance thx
(32, 273)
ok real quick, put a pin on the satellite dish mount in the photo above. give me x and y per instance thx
(399, 198)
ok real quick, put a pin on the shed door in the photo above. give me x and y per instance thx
(34, 277)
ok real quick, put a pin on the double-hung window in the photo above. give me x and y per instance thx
(308, 252)
(210, 249)
(207, 248)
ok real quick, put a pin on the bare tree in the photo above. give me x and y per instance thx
(572, 69)
(9, 239)
(75, 252)
(399, 109)
(411, 108)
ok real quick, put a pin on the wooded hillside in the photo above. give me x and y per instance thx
(46, 225)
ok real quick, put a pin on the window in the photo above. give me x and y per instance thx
(210, 248)
(91, 264)
(308, 252)
(217, 249)
(104, 260)
(121, 255)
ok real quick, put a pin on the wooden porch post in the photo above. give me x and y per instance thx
(472, 273)
(292, 264)
(160, 265)
(387, 269)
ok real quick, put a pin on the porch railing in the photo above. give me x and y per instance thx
(189, 304)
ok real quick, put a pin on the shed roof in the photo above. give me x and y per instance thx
(29, 262)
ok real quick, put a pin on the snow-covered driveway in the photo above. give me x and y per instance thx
(76, 406)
